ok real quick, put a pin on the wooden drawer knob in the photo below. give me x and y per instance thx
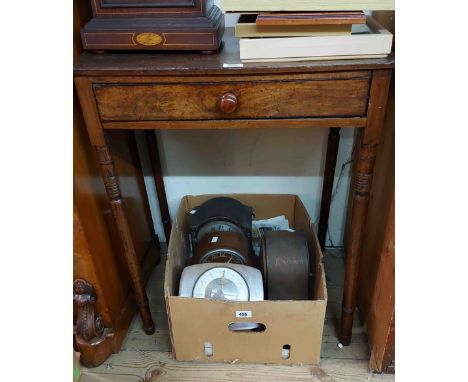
(228, 103)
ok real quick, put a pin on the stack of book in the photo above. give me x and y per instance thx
(299, 30)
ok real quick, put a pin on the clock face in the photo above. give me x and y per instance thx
(218, 226)
(222, 247)
(221, 283)
(223, 256)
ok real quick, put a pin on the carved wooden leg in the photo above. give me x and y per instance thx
(362, 183)
(159, 181)
(327, 189)
(117, 206)
(91, 337)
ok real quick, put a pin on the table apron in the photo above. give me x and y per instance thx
(237, 124)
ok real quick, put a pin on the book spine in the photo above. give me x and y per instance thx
(305, 5)
(315, 46)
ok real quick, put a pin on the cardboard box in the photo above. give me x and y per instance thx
(195, 322)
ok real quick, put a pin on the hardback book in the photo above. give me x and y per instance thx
(247, 27)
(310, 18)
(368, 39)
(242, 6)
(296, 59)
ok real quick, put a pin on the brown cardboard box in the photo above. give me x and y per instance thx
(193, 322)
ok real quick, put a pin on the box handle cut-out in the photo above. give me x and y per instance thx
(208, 347)
(247, 327)
(285, 351)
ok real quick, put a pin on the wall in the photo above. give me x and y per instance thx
(255, 161)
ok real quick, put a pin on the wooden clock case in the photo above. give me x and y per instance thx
(154, 25)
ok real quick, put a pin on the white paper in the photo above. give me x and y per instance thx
(243, 313)
(277, 223)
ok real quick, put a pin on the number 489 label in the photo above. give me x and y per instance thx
(243, 313)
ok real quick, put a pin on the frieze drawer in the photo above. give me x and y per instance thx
(232, 100)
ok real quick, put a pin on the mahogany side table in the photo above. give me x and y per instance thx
(191, 91)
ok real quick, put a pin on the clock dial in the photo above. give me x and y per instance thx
(223, 256)
(217, 226)
(221, 283)
(223, 247)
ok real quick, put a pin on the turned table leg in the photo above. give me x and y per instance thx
(362, 184)
(84, 87)
(159, 182)
(327, 189)
(118, 210)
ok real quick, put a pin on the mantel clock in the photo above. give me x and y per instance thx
(154, 25)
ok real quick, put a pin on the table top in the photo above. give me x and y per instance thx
(190, 63)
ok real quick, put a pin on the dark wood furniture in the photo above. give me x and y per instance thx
(376, 291)
(98, 256)
(327, 188)
(154, 25)
(104, 304)
(186, 91)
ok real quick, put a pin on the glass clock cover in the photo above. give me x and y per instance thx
(221, 283)
(218, 226)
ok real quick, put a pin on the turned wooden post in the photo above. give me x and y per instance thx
(159, 182)
(118, 210)
(96, 135)
(362, 184)
(328, 178)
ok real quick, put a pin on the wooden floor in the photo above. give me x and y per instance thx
(147, 358)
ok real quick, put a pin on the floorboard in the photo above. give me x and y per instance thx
(148, 358)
